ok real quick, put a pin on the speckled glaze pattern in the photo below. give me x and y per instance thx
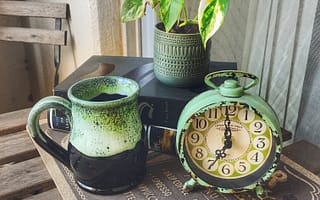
(98, 128)
(104, 128)
(179, 59)
(106, 149)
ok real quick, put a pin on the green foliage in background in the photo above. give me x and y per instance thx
(210, 16)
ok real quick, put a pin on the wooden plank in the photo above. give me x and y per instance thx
(16, 147)
(52, 166)
(132, 44)
(50, 194)
(33, 9)
(13, 121)
(31, 35)
(107, 30)
(23, 179)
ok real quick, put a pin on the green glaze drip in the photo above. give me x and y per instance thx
(106, 132)
(104, 128)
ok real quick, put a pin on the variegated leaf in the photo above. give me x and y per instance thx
(153, 3)
(170, 11)
(211, 14)
(132, 9)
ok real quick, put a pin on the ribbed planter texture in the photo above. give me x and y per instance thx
(180, 60)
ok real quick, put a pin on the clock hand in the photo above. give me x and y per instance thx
(227, 132)
(220, 153)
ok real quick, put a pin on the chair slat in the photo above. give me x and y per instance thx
(31, 35)
(33, 9)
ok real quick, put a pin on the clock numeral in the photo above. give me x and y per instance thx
(255, 157)
(210, 164)
(213, 114)
(231, 110)
(261, 142)
(195, 138)
(242, 166)
(200, 123)
(226, 169)
(245, 115)
(199, 153)
(258, 127)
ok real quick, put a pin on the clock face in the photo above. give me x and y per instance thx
(249, 156)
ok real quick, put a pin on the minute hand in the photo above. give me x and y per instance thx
(227, 132)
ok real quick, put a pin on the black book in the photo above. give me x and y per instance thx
(159, 104)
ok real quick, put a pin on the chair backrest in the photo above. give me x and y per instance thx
(55, 36)
(57, 11)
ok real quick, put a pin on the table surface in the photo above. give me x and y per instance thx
(14, 161)
(64, 179)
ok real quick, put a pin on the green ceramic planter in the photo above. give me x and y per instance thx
(180, 60)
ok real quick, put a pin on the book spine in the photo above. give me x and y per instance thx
(161, 139)
(156, 111)
(57, 120)
(161, 112)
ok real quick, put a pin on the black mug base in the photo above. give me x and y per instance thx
(109, 175)
(111, 190)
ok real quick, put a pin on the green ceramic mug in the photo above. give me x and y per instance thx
(106, 150)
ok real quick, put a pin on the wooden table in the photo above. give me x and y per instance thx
(69, 190)
(24, 176)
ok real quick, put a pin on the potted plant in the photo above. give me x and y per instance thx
(180, 43)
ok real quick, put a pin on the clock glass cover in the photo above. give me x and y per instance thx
(229, 145)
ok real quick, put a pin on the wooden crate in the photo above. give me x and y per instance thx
(22, 172)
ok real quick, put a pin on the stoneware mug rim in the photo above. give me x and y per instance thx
(131, 93)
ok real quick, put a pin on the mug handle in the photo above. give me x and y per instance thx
(39, 136)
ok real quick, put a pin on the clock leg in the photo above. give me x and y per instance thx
(262, 193)
(189, 185)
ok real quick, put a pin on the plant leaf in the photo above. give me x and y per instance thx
(153, 3)
(211, 15)
(170, 12)
(132, 10)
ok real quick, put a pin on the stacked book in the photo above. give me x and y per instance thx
(159, 105)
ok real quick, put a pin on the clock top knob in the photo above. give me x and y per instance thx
(231, 88)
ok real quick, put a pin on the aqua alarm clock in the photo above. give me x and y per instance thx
(227, 138)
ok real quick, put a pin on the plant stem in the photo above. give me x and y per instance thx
(185, 19)
(184, 12)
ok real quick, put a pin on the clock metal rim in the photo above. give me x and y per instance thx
(230, 183)
(273, 158)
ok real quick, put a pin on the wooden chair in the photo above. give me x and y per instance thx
(55, 37)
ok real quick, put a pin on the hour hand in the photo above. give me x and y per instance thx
(228, 143)
(220, 153)
(227, 135)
